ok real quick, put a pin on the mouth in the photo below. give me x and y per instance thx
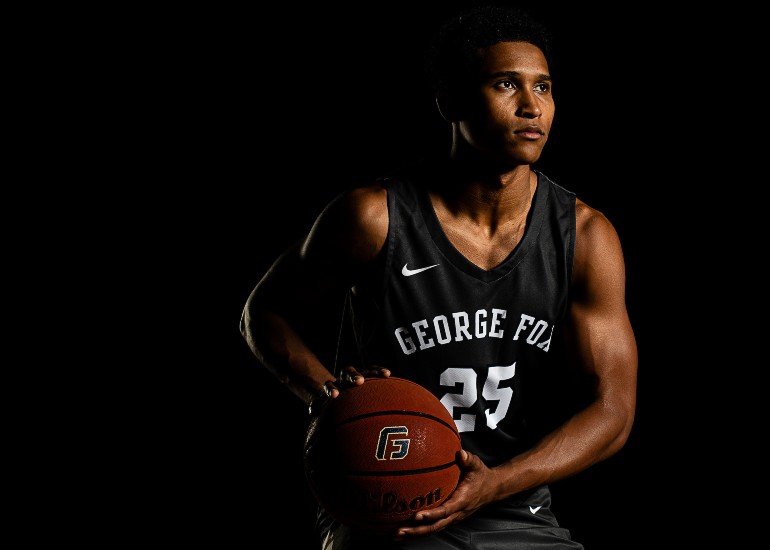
(530, 132)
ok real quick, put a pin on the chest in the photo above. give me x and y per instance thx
(484, 247)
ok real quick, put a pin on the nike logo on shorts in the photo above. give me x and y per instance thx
(406, 272)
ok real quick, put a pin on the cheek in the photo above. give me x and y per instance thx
(495, 113)
(546, 120)
(547, 111)
(500, 109)
(503, 117)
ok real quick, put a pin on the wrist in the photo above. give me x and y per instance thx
(316, 404)
(318, 400)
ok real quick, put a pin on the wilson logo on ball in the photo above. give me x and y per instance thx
(386, 442)
(381, 451)
(394, 503)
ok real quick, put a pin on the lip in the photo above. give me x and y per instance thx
(530, 132)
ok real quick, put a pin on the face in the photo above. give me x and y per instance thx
(511, 109)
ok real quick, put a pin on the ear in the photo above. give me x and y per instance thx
(454, 106)
(446, 108)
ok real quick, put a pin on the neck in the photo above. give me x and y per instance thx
(483, 191)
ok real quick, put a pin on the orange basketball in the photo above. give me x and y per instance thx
(380, 452)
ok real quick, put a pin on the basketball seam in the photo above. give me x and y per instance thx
(406, 413)
(399, 473)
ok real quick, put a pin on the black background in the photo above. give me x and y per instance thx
(252, 119)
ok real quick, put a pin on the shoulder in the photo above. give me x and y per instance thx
(597, 245)
(591, 224)
(363, 209)
(354, 224)
(366, 205)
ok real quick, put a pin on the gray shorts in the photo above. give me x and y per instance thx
(521, 522)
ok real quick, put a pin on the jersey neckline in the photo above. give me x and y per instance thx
(535, 219)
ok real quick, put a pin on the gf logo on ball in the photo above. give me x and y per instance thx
(392, 441)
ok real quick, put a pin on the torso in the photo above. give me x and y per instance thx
(471, 317)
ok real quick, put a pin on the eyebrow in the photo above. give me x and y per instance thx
(514, 74)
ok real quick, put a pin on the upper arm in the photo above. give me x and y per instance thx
(346, 237)
(600, 336)
(312, 275)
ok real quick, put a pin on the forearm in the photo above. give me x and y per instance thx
(591, 436)
(281, 349)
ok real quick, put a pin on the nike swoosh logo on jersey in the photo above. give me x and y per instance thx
(406, 272)
(534, 510)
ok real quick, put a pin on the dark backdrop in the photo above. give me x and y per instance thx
(262, 115)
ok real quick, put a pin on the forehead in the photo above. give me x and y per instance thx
(521, 57)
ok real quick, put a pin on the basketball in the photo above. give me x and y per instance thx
(380, 452)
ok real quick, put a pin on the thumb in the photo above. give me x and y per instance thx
(463, 457)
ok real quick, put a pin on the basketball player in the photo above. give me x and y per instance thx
(478, 277)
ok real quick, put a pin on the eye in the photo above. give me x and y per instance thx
(543, 87)
(506, 85)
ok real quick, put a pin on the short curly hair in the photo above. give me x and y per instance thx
(452, 57)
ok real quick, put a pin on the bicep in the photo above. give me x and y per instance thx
(600, 335)
(308, 281)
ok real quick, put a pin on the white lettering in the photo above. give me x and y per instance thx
(537, 331)
(497, 314)
(524, 318)
(461, 325)
(545, 346)
(481, 326)
(418, 329)
(407, 346)
(440, 322)
(438, 330)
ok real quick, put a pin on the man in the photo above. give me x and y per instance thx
(479, 278)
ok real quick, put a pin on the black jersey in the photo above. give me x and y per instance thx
(481, 341)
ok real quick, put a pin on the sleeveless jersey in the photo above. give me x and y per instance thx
(484, 342)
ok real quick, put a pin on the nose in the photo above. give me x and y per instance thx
(529, 106)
